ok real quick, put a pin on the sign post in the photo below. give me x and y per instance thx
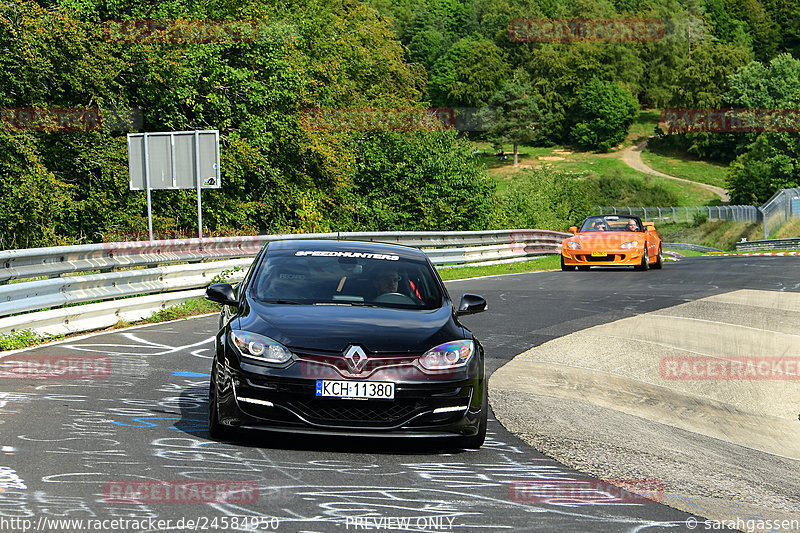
(174, 160)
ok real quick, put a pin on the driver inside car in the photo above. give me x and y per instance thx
(386, 280)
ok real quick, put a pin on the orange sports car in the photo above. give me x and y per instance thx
(612, 240)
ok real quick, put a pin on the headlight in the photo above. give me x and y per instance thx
(449, 355)
(259, 347)
(628, 245)
(574, 245)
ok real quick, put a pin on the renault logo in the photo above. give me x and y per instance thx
(355, 358)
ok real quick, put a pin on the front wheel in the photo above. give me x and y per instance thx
(645, 264)
(565, 267)
(659, 260)
(476, 441)
(215, 429)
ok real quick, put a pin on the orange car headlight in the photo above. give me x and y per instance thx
(574, 245)
(628, 245)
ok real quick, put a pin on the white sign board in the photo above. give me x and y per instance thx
(174, 160)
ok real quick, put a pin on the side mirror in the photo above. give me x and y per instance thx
(573, 229)
(649, 226)
(471, 304)
(222, 293)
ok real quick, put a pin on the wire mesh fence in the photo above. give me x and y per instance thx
(738, 213)
(783, 205)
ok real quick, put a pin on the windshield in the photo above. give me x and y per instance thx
(611, 223)
(318, 277)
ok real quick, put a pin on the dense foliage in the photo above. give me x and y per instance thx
(59, 187)
(69, 187)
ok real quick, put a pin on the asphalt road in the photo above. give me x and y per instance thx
(67, 445)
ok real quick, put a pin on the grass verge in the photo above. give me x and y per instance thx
(789, 230)
(549, 262)
(681, 166)
(617, 183)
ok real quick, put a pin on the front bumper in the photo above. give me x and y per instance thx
(284, 400)
(614, 257)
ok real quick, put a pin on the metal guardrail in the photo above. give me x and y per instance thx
(686, 246)
(766, 245)
(58, 304)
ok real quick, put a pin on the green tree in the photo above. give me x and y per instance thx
(545, 199)
(603, 113)
(421, 180)
(513, 113)
(468, 74)
(767, 161)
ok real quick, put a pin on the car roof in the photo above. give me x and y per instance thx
(294, 245)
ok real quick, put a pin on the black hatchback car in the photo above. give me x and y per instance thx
(346, 338)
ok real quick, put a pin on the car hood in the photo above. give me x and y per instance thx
(606, 239)
(332, 328)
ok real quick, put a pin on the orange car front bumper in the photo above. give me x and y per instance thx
(612, 258)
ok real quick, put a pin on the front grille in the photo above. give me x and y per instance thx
(355, 411)
(609, 257)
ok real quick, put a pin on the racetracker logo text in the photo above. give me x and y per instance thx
(24, 366)
(145, 31)
(378, 119)
(587, 30)
(52, 119)
(586, 491)
(202, 492)
(393, 370)
(730, 120)
(730, 368)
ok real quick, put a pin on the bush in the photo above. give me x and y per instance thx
(417, 181)
(545, 199)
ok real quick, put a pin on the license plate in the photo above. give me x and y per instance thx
(599, 254)
(355, 389)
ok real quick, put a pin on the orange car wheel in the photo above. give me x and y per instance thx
(659, 259)
(645, 264)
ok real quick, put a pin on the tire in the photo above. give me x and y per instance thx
(476, 441)
(564, 267)
(659, 264)
(645, 264)
(215, 429)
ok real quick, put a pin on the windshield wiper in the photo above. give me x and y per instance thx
(282, 302)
